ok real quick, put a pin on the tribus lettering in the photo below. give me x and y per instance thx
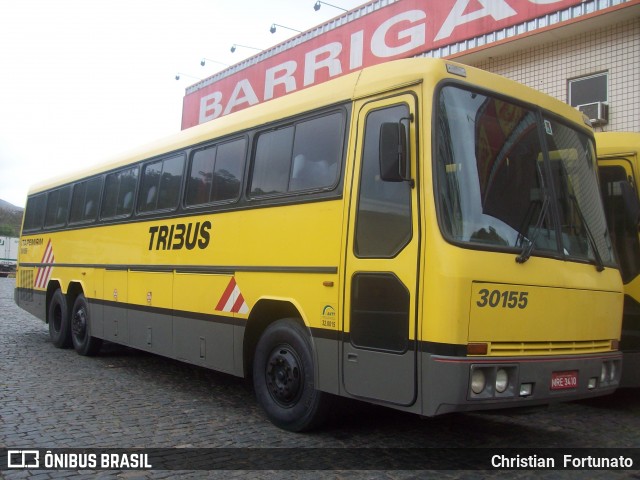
(177, 237)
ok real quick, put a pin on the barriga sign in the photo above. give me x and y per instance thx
(401, 29)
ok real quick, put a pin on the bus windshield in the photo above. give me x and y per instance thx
(499, 189)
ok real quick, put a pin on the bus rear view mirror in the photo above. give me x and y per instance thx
(393, 152)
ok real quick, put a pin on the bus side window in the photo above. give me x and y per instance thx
(200, 176)
(298, 158)
(57, 207)
(118, 193)
(215, 173)
(383, 225)
(160, 185)
(317, 149)
(34, 213)
(227, 172)
(84, 200)
(272, 162)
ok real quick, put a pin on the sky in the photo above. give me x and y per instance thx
(84, 80)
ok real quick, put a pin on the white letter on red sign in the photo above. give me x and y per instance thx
(271, 79)
(416, 35)
(245, 88)
(332, 62)
(208, 103)
(497, 9)
(357, 47)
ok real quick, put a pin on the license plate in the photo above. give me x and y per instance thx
(564, 380)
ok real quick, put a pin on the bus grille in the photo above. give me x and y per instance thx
(548, 348)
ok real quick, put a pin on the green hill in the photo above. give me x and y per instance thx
(10, 219)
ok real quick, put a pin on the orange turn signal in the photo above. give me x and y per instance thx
(477, 348)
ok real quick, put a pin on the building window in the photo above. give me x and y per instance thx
(589, 89)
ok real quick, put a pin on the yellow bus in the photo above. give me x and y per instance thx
(398, 235)
(618, 157)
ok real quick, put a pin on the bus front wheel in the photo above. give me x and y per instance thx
(283, 378)
(83, 342)
(58, 317)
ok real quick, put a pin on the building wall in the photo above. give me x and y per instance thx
(615, 49)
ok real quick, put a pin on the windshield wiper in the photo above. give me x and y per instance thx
(598, 259)
(528, 249)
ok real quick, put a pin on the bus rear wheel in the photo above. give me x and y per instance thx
(83, 342)
(283, 378)
(58, 318)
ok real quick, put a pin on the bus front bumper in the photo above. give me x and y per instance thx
(455, 384)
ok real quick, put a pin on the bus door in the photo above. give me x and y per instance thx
(619, 190)
(616, 176)
(381, 275)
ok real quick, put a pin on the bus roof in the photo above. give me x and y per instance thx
(613, 143)
(369, 81)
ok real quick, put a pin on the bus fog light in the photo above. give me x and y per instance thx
(593, 383)
(612, 372)
(604, 373)
(526, 389)
(478, 381)
(502, 380)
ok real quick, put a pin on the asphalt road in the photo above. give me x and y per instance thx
(123, 398)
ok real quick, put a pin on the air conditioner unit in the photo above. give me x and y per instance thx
(597, 112)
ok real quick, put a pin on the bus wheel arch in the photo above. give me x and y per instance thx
(74, 289)
(264, 313)
(58, 316)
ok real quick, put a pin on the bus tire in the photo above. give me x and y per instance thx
(58, 318)
(83, 342)
(283, 378)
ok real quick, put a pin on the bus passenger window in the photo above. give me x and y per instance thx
(118, 193)
(148, 191)
(84, 201)
(303, 157)
(161, 183)
(227, 173)
(34, 213)
(317, 150)
(201, 176)
(272, 161)
(57, 207)
(215, 173)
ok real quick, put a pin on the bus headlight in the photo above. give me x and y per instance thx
(612, 372)
(609, 372)
(502, 380)
(604, 373)
(478, 381)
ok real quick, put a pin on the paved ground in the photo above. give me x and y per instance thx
(51, 398)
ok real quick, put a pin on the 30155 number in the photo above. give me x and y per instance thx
(504, 299)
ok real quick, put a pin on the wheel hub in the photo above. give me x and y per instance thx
(283, 376)
(79, 323)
